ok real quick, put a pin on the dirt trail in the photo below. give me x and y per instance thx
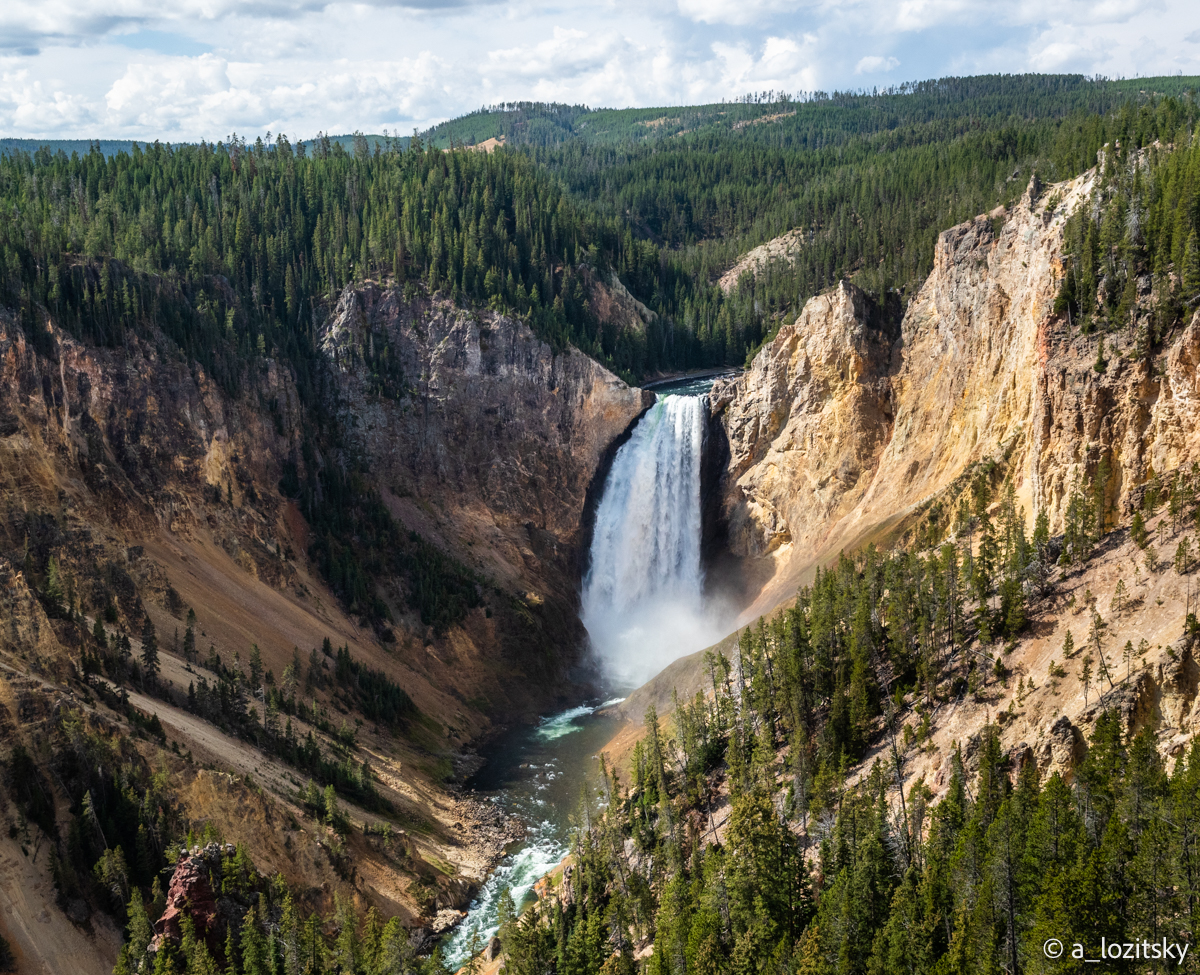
(208, 744)
(448, 840)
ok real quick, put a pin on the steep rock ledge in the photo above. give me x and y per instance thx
(490, 441)
(805, 425)
(838, 438)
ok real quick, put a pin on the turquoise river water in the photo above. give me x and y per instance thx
(539, 774)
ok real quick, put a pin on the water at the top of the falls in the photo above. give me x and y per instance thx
(643, 596)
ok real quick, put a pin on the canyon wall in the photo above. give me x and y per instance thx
(133, 464)
(840, 434)
(489, 441)
(133, 485)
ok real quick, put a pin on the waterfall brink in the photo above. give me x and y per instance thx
(642, 596)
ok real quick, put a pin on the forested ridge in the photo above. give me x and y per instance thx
(236, 250)
(806, 119)
(869, 203)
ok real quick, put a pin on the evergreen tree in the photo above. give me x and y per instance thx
(149, 651)
(1191, 267)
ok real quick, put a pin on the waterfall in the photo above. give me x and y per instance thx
(642, 596)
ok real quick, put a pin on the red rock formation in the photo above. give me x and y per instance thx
(190, 895)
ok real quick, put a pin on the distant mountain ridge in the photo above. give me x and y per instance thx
(553, 123)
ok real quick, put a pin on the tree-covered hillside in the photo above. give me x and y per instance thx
(797, 118)
(236, 249)
(749, 834)
(870, 182)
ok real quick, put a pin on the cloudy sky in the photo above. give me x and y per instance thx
(189, 69)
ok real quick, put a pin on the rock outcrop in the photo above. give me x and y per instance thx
(481, 437)
(190, 895)
(782, 248)
(839, 436)
(485, 415)
(1062, 748)
(806, 425)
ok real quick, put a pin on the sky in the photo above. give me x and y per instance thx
(182, 70)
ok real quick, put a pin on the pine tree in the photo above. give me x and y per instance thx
(255, 956)
(149, 651)
(189, 637)
(1183, 556)
(1096, 640)
(1137, 530)
(1191, 267)
(256, 668)
(1041, 543)
(54, 587)
(139, 928)
(333, 811)
(1099, 513)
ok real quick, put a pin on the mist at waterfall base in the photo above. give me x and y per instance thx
(643, 596)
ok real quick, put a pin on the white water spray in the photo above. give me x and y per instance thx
(643, 594)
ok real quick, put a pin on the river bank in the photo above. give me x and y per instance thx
(539, 775)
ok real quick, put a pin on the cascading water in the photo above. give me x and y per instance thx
(643, 605)
(643, 593)
(538, 775)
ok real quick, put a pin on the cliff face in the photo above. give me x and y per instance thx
(839, 437)
(805, 425)
(133, 486)
(490, 442)
(110, 451)
(155, 487)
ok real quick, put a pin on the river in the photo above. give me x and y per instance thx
(643, 607)
(539, 774)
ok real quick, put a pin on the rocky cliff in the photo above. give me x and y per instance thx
(805, 425)
(486, 441)
(155, 488)
(840, 433)
(133, 486)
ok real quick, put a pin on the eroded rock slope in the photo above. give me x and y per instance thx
(839, 436)
(133, 486)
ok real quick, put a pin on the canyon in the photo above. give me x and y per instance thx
(849, 430)
(154, 491)
(845, 430)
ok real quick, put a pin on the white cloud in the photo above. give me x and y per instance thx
(207, 94)
(26, 24)
(916, 15)
(875, 64)
(736, 12)
(27, 104)
(203, 68)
